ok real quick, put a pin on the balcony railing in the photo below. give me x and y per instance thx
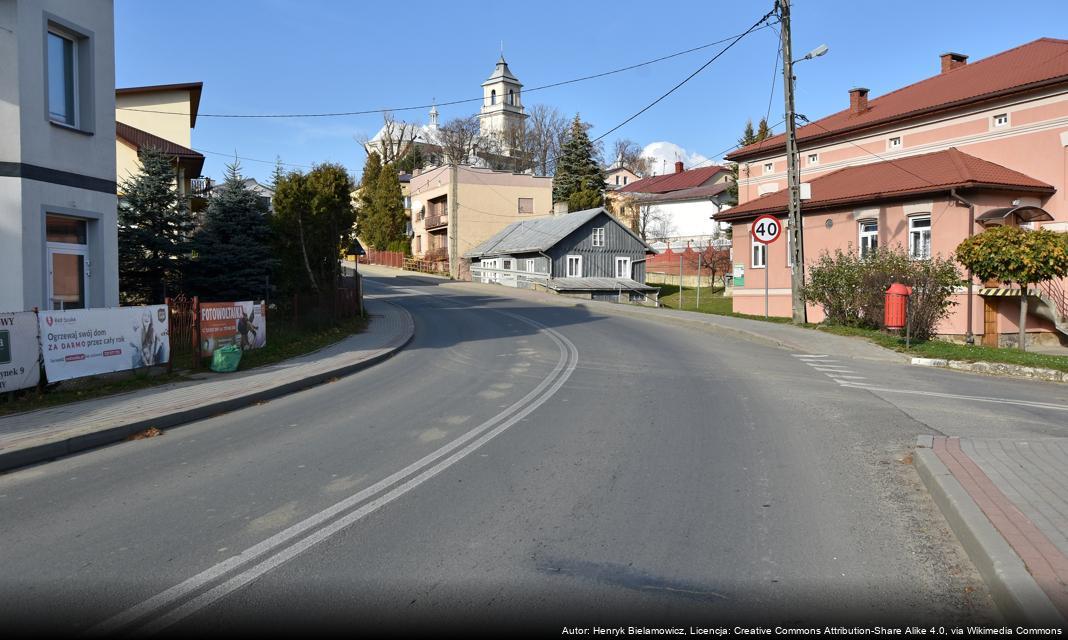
(435, 221)
(201, 186)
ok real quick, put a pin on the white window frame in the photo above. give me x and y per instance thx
(998, 125)
(865, 236)
(918, 233)
(813, 159)
(761, 250)
(627, 269)
(893, 143)
(769, 167)
(597, 238)
(68, 248)
(506, 264)
(76, 119)
(530, 266)
(567, 264)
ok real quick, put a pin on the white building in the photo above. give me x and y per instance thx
(58, 230)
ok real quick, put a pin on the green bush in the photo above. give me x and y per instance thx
(852, 290)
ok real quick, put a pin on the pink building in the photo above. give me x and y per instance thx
(986, 141)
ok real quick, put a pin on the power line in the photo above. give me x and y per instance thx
(454, 102)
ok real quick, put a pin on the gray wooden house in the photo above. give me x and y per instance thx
(586, 254)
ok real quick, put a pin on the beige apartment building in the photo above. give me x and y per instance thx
(454, 209)
(162, 117)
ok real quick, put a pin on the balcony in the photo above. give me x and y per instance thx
(437, 221)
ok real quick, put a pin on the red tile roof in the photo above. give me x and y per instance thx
(192, 160)
(928, 173)
(673, 181)
(1029, 66)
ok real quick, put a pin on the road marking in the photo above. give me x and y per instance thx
(801, 355)
(489, 429)
(936, 394)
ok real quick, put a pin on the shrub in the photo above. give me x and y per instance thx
(852, 290)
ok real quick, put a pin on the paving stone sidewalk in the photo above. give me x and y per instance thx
(35, 436)
(1021, 486)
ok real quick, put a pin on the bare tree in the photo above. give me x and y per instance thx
(460, 140)
(647, 220)
(542, 138)
(629, 153)
(711, 259)
(394, 140)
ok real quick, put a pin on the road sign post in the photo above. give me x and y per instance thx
(765, 230)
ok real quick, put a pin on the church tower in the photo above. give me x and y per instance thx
(502, 110)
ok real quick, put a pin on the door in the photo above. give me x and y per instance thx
(623, 267)
(68, 277)
(990, 322)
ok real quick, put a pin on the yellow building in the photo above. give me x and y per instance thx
(163, 117)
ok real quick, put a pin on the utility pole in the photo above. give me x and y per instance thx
(793, 172)
(451, 232)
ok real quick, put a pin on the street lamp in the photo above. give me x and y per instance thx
(793, 170)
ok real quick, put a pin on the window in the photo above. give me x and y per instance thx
(598, 237)
(920, 237)
(1001, 120)
(813, 159)
(62, 79)
(769, 167)
(530, 266)
(869, 237)
(507, 265)
(760, 255)
(526, 205)
(407, 202)
(574, 266)
(894, 143)
(67, 262)
(622, 267)
(617, 181)
(624, 181)
(493, 96)
(511, 96)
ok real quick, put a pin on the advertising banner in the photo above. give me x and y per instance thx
(86, 342)
(19, 351)
(226, 323)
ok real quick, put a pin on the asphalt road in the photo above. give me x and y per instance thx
(524, 465)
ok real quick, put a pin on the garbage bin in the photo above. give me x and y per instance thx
(225, 359)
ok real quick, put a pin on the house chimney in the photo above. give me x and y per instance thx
(678, 166)
(951, 61)
(858, 100)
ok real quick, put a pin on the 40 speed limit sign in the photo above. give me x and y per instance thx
(766, 229)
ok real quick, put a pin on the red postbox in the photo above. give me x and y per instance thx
(894, 315)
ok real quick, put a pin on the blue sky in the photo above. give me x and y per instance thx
(283, 56)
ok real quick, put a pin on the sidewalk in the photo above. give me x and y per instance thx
(1007, 501)
(771, 333)
(35, 436)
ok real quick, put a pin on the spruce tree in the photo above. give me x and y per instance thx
(233, 247)
(748, 136)
(579, 178)
(154, 231)
(368, 184)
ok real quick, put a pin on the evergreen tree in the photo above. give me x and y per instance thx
(748, 136)
(368, 184)
(579, 178)
(154, 230)
(291, 202)
(412, 160)
(385, 224)
(763, 131)
(278, 174)
(233, 247)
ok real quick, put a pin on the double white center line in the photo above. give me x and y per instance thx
(830, 368)
(180, 601)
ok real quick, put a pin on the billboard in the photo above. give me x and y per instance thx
(20, 353)
(226, 323)
(86, 342)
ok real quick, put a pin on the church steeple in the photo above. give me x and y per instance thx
(502, 107)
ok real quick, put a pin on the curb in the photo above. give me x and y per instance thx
(10, 460)
(995, 369)
(1014, 591)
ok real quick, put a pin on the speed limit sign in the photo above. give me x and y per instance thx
(766, 229)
